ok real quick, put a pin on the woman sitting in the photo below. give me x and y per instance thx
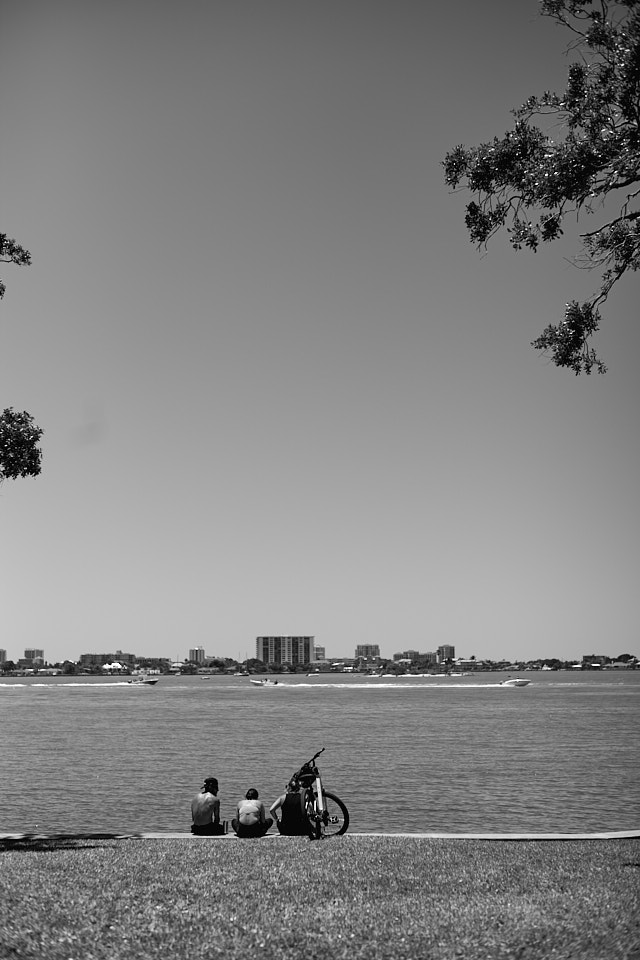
(294, 821)
(251, 819)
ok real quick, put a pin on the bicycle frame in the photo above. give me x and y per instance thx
(326, 813)
(319, 799)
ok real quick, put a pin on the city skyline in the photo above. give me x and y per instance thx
(280, 389)
(200, 656)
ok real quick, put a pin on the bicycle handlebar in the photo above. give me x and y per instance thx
(309, 763)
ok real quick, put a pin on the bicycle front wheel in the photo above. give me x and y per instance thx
(335, 816)
(315, 822)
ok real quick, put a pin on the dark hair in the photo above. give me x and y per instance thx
(211, 785)
(252, 794)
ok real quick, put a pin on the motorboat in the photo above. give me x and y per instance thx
(514, 682)
(264, 682)
(143, 681)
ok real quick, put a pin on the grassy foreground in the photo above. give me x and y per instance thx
(351, 897)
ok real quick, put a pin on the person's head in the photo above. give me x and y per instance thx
(210, 785)
(252, 794)
(293, 786)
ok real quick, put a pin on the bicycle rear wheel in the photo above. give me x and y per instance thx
(335, 816)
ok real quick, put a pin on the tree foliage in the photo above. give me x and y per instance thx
(530, 183)
(20, 455)
(19, 435)
(12, 252)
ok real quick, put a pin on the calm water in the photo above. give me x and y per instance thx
(434, 754)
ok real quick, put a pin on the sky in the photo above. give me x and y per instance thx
(281, 391)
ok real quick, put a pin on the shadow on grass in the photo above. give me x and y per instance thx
(32, 843)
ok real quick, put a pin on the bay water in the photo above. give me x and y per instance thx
(410, 754)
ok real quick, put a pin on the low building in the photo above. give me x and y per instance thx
(89, 660)
(594, 661)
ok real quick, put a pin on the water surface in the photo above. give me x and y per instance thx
(423, 754)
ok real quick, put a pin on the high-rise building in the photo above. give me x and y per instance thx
(367, 650)
(446, 652)
(3, 656)
(34, 654)
(197, 655)
(289, 650)
(320, 653)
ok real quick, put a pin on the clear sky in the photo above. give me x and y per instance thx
(282, 393)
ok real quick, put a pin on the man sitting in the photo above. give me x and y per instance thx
(294, 821)
(205, 810)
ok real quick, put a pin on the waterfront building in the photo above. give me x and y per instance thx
(3, 656)
(34, 655)
(409, 655)
(594, 660)
(320, 653)
(88, 660)
(153, 664)
(197, 655)
(285, 650)
(367, 651)
(446, 652)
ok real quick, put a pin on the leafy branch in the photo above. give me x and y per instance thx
(20, 455)
(12, 252)
(529, 183)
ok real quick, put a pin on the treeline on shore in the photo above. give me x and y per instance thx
(227, 665)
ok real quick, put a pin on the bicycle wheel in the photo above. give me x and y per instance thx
(315, 823)
(335, 816)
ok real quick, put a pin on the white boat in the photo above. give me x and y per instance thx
(265, 682)
(514, 682)
(143, 681)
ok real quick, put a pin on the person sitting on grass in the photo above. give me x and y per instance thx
(294, 821)
(205, 810)
(251, 819)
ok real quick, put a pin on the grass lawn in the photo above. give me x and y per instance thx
(351, 897)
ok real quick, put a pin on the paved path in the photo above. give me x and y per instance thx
(614, 835)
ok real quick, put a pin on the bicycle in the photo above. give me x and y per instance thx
(327, 814)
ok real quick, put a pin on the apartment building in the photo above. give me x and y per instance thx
(367, 650)
(34, 655)
(446, 652)
(283, 650)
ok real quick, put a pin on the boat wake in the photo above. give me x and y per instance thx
(65, 686)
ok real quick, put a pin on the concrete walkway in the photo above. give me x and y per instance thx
(613, 835)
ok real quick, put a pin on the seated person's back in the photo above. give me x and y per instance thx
(294, 821)
(251, 819)
(249, 812)
(205, 810)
